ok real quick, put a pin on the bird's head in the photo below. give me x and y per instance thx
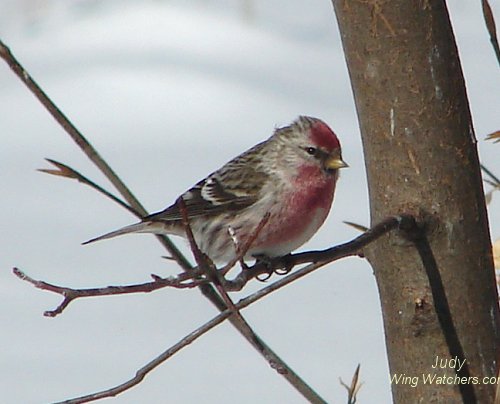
(312, 141)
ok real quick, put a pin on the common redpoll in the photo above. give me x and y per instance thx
(290, 177)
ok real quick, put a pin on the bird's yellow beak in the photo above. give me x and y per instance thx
(335, 162)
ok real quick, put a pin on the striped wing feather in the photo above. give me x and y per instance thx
(231, 188)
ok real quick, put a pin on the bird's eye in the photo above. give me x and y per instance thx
(311, 150)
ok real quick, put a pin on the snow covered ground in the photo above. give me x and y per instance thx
(168, 91)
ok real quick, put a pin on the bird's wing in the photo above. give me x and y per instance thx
(235, 186)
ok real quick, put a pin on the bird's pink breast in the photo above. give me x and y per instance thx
(305, 208)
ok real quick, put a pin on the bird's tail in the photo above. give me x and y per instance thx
(141, 227)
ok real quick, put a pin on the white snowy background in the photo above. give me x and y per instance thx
(168, 91)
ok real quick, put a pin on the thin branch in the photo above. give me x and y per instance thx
(66, 171)
(491, 26)
(353, 388)
(59, 116)
(356, 226)
(85, 146)
(494, 136)
(405, 223)
(495, 179)
(71, 294)
(492, 183)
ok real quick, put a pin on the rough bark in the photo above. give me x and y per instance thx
(421, 158)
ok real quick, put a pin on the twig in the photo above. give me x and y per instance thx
(494, 136)
(85, 146)
(490, 25)
(65, 171)
(71, 294)
(356, 226)
(353, 389)
(495, 179)
(59, 116)
(405, 222)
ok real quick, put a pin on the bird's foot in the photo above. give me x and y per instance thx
(273, 265)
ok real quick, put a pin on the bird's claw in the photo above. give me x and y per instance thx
(270, 264)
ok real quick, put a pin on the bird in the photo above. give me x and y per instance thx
(289, 179)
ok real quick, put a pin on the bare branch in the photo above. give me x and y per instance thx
(59, 116)
(495, 136)
(85, 146)
(495, 181)
(65, 171)
(491, 26)
(71, 294)
(356, 226)
(353, 389)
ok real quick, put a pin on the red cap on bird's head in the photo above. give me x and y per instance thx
(322, 135)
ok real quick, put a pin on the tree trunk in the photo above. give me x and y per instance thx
(421, 159)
